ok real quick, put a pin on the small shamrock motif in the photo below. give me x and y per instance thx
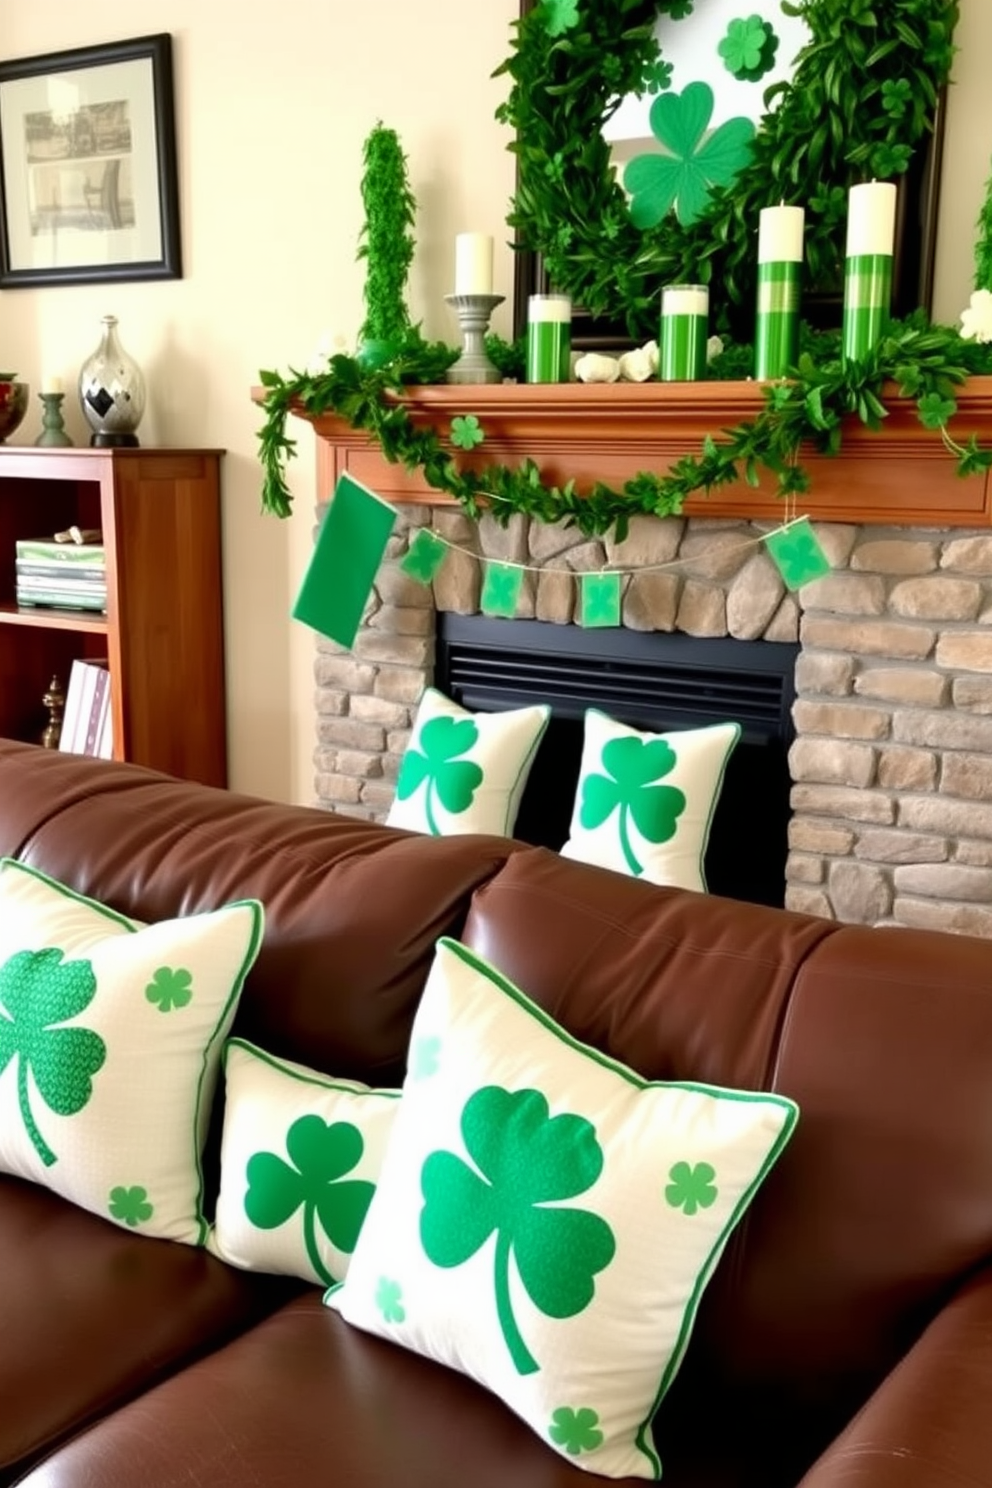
(934, 410)
(796, 552)
(436, 766)
(170, 988)
(38, 992)
(679, 9)
(658, 77)
(897, 95)
(629, 786)
(690, 164)
(976, 320)
(466, 431)
(748, 49)
(889, 160)
(130, 1205)
(427, 553)
(320, 1154)
(389, 1300)
(691, 1187)
(524, 1159)
(576, 1430)
(600, 599)
(561, 16)
(425, 1057)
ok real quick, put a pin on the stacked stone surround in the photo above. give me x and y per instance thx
(892, 761)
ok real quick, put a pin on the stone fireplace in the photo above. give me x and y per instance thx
(891, 764)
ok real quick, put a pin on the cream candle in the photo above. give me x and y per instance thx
(871, 233)
(780, 256)
(51, 385)
(473, 264)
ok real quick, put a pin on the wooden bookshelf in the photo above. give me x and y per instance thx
(162, 633)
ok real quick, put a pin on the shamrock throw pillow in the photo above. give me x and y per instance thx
(110, 1039)
(546, 1220)
(465, 772)
(644, 802)
(300, 1157)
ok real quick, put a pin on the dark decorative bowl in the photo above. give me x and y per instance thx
(13, 406)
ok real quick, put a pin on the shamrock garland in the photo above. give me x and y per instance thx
(572, 63)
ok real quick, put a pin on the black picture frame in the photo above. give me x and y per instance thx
(913, 264)
(89, 187)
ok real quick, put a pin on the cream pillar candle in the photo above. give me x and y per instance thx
(780, 256)
(473, 264)
(51, 385)
(871, 233)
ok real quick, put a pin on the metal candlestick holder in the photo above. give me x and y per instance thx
(53, 435)
(473, 311)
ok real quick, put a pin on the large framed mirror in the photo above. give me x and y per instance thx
(818, 127)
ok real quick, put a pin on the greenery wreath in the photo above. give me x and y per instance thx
(572, 57)
(862, 97)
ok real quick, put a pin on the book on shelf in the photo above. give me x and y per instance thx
(86, 724)
(68, 556)
(86, 573)
(63, 599)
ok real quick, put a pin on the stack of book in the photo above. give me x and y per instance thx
(87, 724)
(69, 575)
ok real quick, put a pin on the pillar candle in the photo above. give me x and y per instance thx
(685, 311)
(51, 385)
(549, 338)
(473, 264)
(871, 230)
(780, 256)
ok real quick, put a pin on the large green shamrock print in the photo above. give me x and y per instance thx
(524, 1160)
(39, 990)
(690, 164)
(436, 762)
(632, 766)
(320, 1154)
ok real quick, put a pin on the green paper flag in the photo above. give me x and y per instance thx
(600, 599)
(427, 553)
(796, 552)
(346, 556)
(501, 589)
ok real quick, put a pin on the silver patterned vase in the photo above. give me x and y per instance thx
(112, 390)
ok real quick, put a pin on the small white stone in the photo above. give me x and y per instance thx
(594, 367)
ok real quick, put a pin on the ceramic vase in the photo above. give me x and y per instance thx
(112, 390)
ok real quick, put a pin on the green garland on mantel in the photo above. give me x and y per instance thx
(926, 362)
(891, 57)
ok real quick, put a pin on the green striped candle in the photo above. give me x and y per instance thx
(871, 225)
(549, 338)
(685, 315)
(780, 257)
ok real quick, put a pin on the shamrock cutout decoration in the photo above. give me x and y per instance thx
(466, 431)
(934, 410)
(796, 552)
(170, 989)
(425, 556)
(38, 991)
(749, 47)
(435, 764)
(320, 1154)
(561, 16)
(679, 9)
(576, 1430)
(501, 589)
(633, 766)
(525, 1159)
(130, 1205)
(600, 599)
(691, 1187)
(689, 165)
(389, 1300)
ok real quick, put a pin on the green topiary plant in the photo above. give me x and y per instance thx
(387, 240)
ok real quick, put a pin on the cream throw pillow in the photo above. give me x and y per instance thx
(546, 1220)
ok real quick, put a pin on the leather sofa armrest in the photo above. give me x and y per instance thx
(929, 1424)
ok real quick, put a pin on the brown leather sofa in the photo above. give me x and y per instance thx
(845, 1340)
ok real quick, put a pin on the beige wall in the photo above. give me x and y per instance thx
(273, 106)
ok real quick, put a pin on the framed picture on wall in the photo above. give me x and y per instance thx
(88, 181)
(578, 185)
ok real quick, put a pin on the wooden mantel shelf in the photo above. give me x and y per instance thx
(901, 475)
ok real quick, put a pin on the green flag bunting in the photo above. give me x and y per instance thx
(426, 554)
(501, 589)
(600, 599)
(796, 552)
(346, 557)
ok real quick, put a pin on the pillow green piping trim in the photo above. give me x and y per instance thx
(254, 940)
(322, 1082)
(715, 797)
(788, 1107)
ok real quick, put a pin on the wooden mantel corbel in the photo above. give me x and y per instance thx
(900, 475)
